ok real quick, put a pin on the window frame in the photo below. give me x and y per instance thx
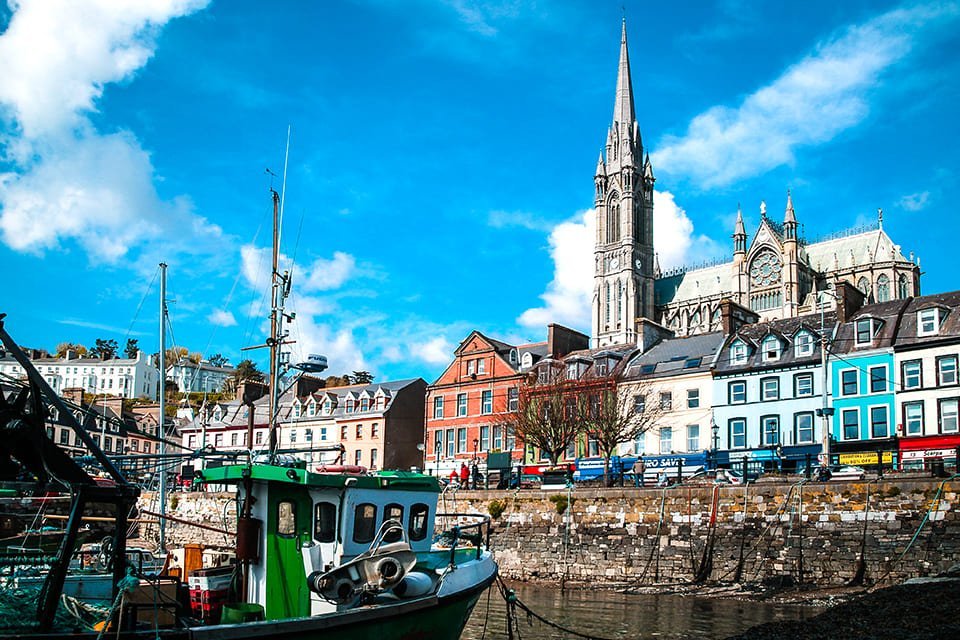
(843, 423)
(872, 379)
(461, 405)
(738, 352)
(668, 431)
(956, 414)
(765, 421)
(763, 389)
(693, 437)
(903, 375)
(796, 427)
(873, 422)
(940, 377)
(438, 407)
(771, 354)
(859, 325)
(797, 377)
(368, 533)
(855, 382)
(324, 534)
(918, 420)
(693, 398)
(731, 394)
(734, 434)
(806, 344)
(934, 319)
(486, 402)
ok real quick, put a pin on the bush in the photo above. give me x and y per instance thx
(560, 502)
(496, 508)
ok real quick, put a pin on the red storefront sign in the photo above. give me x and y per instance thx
(921, 448)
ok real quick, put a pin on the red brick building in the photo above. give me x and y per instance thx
(468, 405)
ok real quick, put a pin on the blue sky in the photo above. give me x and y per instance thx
(441, 157)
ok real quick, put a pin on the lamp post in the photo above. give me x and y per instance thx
(825, 412)
(715, 442)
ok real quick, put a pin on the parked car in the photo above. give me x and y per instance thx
(847, 472)
(717, 476)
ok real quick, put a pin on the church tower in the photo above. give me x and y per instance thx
(623, 253)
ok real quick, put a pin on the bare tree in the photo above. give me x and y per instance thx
(612, 413)
(546, 417)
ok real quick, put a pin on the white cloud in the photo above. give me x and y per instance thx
(810, 103)
(499, 219)
(222, 318)
(437, 350)
(68, 181)
(915, 201)
(567, 299)
(330, 274)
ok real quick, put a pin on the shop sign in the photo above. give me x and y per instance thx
(928, 453)
(865, 457)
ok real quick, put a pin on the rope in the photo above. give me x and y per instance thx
(126, 585)
(513, 603)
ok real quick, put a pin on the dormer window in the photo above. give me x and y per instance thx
(572, 371)
(311, 408)
(928, 322)
(601, 368)
(867, 329)
(364, 404)
(771, 348)
(803, 344)
(527, 361)
(296, 409)
(513, 356)
(738, 352)
(326, 407)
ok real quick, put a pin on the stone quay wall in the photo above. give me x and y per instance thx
(779, 533)
(814, 533)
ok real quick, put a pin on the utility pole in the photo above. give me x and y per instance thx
(825, 412)
(163, 388)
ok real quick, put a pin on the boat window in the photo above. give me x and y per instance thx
(418, 521)
(286, 518)
(393, 512)
(364, 522)
(325, 524)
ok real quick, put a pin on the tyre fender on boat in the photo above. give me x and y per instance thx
(414, 584)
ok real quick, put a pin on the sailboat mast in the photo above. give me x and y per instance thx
(276, 308)
(163, 388)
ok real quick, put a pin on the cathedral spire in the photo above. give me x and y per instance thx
(623, 112)
(739, 234)
(789, 215)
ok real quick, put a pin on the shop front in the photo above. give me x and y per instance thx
(925, 452)
(866, 453)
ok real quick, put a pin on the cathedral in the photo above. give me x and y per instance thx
(775, 274)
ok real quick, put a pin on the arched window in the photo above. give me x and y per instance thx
(902, 287)
(606, 307)
(883, 288)
(619, 300)
(864, 285)
(613, 219)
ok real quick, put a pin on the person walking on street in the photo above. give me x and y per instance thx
(464, 475)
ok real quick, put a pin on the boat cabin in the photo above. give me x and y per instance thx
(303, 523)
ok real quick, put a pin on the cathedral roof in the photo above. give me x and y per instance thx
(703, 283)
(853, 250)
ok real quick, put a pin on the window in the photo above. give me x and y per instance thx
(364, 522)
(286, 518)
(738, 352)
(666, 400)
(693, 398)
(485, 437)
(771, 430)
(948, 415)
(878, 379)
(373, 458)
(737, 392)
(902, 286)
(911, 373)
(639, 403)
(913, 418)
(65, 437)
(375, 430)
(866, 329)
(883, 288)
(803, 428)
(359, 432)
(461, 404)
(803, 385)
(358, 457)
(693, 437)
(928, 322)
(471, 367)
(364, 404)
(481, 366)
(296, 410)
(417, 528)
(803, 344)
(438, 407)
(461, 440)
(947, 370)
(258, 437)
(325, 522)
(666, 439)
(851, 424)
(344, 432)
(497, 438)
(572, 371)
(769, 389)
(848, 382)
(108, 443)
(438, 442)
(512, 395)
(879, 422)
(450, 444)
(486, 402)
(770, 348)
(738, 433)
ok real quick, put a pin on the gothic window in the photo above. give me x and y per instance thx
(902, 286)
(637, 221)
(765, 269)
(715, 317)
(695, 320)
(864, 285)
(606, 307)
(883, 288)
(613, 219)
(619, 301)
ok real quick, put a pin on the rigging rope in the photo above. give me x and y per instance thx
(513, 603)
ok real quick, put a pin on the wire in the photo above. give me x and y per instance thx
(140, 306)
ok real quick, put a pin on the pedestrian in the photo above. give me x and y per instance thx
(640, 471)
(464, 475)
(454, 478)
(475, 474)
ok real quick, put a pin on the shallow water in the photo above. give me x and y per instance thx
(616, 615)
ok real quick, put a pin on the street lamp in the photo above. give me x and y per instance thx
(715, 431)
(476, 442)
(825, 412)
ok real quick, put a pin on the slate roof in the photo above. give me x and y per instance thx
(692, 354)
(888, 313)
(785, 329)
(949, 323)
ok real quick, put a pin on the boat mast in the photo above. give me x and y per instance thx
(163, 387)
(276, 309)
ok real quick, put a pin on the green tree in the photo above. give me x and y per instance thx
(77, 348)
(246, 370)
(132, 348)
(104, 349)
(218, 360)
(337, 381)
(362, 377)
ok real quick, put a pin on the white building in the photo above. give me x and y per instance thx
(198, 377)
(124, 377)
